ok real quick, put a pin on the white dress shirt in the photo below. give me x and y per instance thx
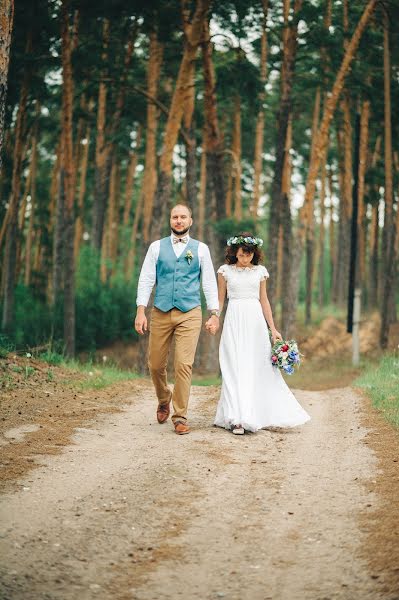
(148, 272)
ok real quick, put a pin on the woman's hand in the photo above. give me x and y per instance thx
(276, 335)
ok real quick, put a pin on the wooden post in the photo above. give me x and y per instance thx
(355, 331)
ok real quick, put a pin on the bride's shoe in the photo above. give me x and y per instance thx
(238, 430)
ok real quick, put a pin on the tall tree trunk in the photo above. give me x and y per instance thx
(388, 234)
(130, 175)
(101, 162)
(114, 215)
(173, 123)
(362, 217)
(284, 266)
(10, 251)
(213, 137)
(236, 147)
(32, 176)
(202, 192)
(69, 182)
(330, 106)
(346, 205)
(260, 121)
(277, 199)
(191, 161)
(130, 263)
(322, 141)
(310, 227)
(150, 166)
(321, 252)
(82, 191)
(6, 20)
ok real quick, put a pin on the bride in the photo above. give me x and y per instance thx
(254, 394)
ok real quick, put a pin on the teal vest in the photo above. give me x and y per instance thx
(177, 281)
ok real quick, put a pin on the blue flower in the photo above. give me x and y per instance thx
(288, 369)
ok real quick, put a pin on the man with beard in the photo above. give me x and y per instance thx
(176, 265)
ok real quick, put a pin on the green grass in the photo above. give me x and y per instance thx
(206, 380)
(98, 376)
(382, 385)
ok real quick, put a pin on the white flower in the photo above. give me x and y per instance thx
(28, 355)
(284, 354)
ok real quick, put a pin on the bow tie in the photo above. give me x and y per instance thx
(176, 240)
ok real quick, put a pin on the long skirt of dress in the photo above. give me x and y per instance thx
(254, 393)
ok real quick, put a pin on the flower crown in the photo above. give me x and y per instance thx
(248, 241)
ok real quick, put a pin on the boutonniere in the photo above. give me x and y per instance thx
(189, 256)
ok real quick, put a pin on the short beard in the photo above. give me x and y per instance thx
(180, 233)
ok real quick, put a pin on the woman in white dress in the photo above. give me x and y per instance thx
(254, 394)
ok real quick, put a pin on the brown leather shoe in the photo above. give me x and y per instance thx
(181, 428)
(163, 412)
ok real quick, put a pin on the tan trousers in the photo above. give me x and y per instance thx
(186, 328)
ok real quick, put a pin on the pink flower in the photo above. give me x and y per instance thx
(274, 358)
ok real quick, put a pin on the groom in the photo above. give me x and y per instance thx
(176, 264)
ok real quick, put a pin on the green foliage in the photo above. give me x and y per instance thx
(6, 346)
(104, 313)
(225, 228)
(382, 385)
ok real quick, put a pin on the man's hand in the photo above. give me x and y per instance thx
(140, 322)
(212, 324)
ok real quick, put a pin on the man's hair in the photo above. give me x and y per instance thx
(185, 206)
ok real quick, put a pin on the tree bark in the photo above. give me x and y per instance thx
(202, 192)
(32, 176)
(260, 121)
(10, 250)
(101, 162)
(388, 233)
(130, 175)
(69, 182)
(322, 140)
(362, 218)
(310, 224)
(150, 168)
(329, 109)
(6, 20)
(82, 191)
(213, 137)
(236, 148)
(180, 94)
(278, 199)
(321, 252)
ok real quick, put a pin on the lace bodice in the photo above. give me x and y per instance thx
(243, 282)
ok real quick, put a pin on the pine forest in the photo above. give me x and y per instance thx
(276, 117)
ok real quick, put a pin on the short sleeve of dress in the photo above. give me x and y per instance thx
(264, 273)
(223, 271)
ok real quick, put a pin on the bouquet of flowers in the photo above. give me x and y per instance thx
(286, 356)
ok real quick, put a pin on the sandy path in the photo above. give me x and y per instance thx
(134, 511)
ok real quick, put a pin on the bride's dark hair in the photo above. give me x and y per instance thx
(231, 251)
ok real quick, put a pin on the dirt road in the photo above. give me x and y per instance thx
(133, 511)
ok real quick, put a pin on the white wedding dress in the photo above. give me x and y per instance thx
(254, 393)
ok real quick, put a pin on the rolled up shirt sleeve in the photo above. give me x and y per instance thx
(147, 275)
(209, 284)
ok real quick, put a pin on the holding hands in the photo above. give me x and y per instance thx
(212, 324)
